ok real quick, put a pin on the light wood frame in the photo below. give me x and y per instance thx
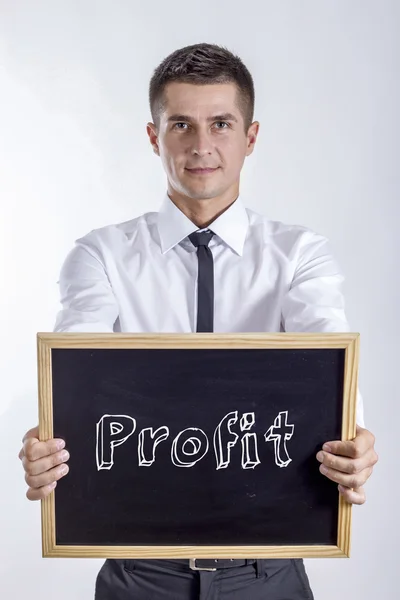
(346, 341)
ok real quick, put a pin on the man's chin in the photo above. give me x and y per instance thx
(201, 194)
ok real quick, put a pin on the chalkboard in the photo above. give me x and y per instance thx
(188, 445)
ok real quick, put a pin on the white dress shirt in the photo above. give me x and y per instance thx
(141, 276)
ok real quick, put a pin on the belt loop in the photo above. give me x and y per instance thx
(260, 567)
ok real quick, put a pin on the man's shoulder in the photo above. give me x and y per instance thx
(281, 231)
(114, 232)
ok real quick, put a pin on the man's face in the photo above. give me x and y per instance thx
(202, 127)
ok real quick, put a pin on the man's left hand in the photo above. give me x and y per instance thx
(350, 464)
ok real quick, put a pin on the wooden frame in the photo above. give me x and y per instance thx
(47, 341)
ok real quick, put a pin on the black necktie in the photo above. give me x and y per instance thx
(205, 282)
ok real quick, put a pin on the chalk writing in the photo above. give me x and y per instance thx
(280, 433)
(111, 431)
(191, 445)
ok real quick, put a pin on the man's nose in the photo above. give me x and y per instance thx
(201, 143)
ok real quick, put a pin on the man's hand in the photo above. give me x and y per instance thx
(350, 464)
(43, 462)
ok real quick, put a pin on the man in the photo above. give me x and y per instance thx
(204, 262)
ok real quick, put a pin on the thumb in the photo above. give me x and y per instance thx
(32, 433)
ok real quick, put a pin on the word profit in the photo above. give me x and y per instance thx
(192, 444)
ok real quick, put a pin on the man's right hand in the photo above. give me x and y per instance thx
(44, 463)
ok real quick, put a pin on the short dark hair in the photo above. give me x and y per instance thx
(202, 64)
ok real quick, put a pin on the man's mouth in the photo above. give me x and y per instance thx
(198, 171)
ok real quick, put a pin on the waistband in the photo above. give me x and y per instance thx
(212, 564)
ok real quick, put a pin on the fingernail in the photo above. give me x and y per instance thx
(327, 448)
(52, 485)
(320, 456)
(323, 469)
(64, 455)
(64, 470)
(60, 444)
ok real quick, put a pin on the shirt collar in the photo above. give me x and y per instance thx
(174, 226)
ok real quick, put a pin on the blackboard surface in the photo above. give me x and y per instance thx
(166, 504)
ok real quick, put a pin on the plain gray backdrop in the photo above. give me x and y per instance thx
(74, 155)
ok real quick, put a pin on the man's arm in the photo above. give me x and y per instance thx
(88, 305)
(87, 299)
(315, 303)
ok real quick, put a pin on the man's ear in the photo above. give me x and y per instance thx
(153, 136)
(252, 137)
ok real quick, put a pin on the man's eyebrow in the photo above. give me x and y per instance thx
(222, 117)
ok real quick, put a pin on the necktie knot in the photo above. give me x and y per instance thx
(201, 238)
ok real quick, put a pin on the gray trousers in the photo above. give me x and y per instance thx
(272, 579)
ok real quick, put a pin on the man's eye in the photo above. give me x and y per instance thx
(181, 123)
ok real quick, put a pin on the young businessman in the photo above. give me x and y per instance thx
(204, 262)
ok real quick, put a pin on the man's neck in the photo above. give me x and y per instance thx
(202, 212)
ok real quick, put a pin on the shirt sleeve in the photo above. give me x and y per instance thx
(86, 296)
(314, 301)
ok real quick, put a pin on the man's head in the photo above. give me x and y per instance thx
(202, 103)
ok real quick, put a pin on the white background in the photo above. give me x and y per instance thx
(74, 155)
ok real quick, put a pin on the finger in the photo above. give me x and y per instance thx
(32, 433)
(42, 465)
(356, 496)
(348, 465)
(37, 481)
(33, 449)
(40, 493)
(355, 448)
(351, 481)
